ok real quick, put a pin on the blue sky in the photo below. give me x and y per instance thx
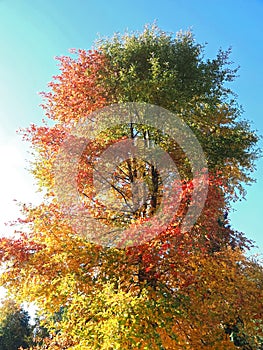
(33, 32)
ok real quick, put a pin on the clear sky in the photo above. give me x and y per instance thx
(33, 32)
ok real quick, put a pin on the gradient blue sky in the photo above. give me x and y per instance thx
(33, 32)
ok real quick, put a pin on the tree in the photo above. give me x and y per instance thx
(179, 289)
(15, 330)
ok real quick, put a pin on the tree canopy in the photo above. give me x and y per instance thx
(180, 289)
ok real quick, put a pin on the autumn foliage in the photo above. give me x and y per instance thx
(179, 290)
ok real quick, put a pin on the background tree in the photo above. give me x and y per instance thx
(15, 329)
(179, 290)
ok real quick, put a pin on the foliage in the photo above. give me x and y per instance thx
(15, 330)
(179, 290)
